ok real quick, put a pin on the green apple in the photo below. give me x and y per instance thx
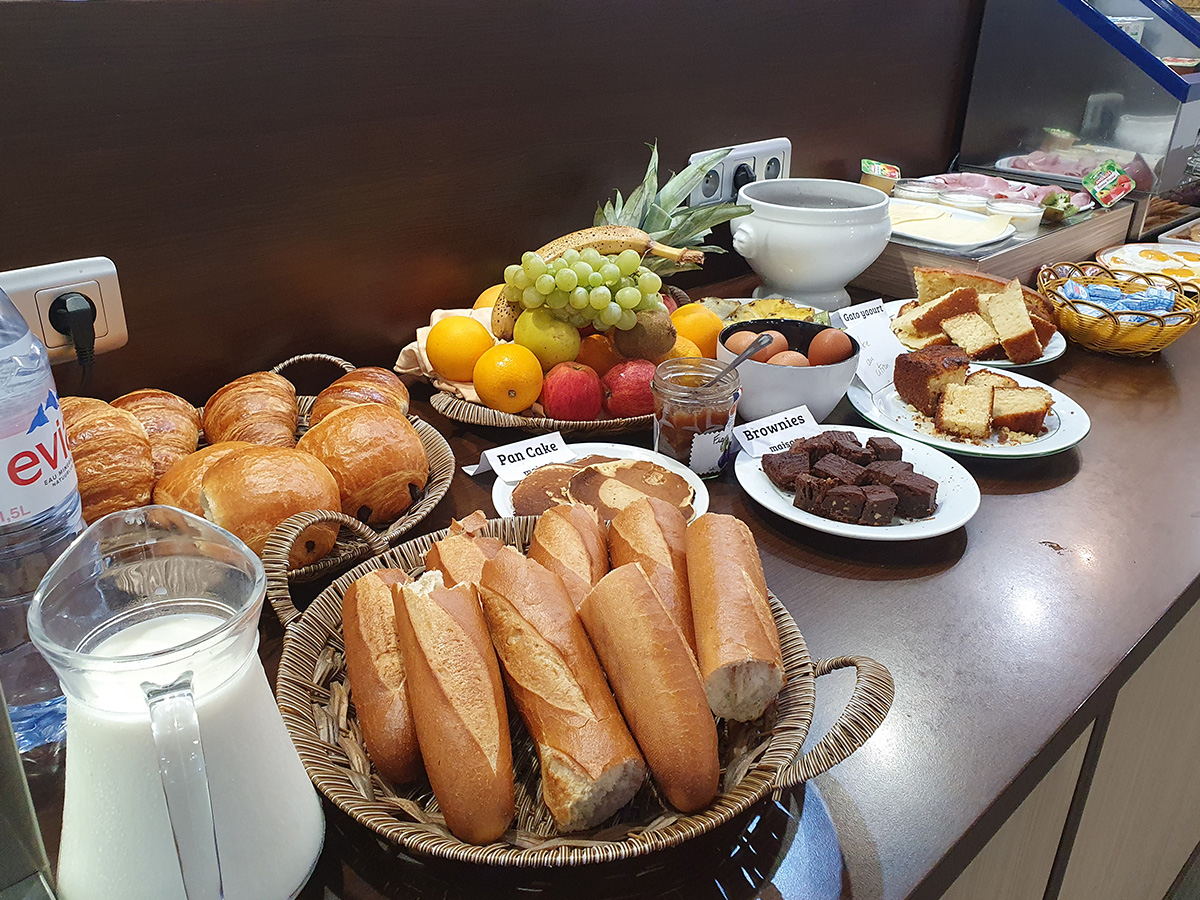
(551, 340)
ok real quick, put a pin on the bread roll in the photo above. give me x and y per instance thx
(460, 555)
(458, 705)
(652, 532)
(590, 765)
(180, 485)
(657, 684)
(737, 642)
(172, 424)
(259, 408)
(377, 681)
(375, 455)
(112, 456)
(250, 491)
(571, 543)
(369, 384)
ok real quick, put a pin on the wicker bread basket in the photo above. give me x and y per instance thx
(469, 413)
(758, 758)
(354, 545)
(1098, 328)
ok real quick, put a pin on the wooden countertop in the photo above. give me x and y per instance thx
(1004, 637)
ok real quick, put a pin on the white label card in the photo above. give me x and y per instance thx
(869, 324)
(512, 462)
(774, 434)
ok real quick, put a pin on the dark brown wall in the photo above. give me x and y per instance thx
(275, 177)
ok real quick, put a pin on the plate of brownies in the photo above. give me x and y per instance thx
(862, 483)
(940, 397)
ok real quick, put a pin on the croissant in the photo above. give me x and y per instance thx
(259, 408)
(112, 456)
(180, 485)
(171, 423)
(375, 455)
(370, 384)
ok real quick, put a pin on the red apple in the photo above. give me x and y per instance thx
(627, 389)
(669, 302)
(572, 391)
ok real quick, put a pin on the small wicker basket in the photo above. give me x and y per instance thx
(757, 759)
(469, 413)
(1098, 328)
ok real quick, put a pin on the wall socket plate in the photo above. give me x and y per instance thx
(765, 159)
(34, 289)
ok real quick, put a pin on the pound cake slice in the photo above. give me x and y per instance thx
(972, 332)
(1021, 409)
(927, 319)
(934, 283)
(919, 377)
(1011, 321)
(991, 378)
(966, 410)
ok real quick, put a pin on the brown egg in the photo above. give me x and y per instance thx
(830, 346)
(740, 340)
(789, 358)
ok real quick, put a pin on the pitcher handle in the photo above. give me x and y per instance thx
(176, 733)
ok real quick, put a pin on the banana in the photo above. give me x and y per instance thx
(608, 239)
(504, 317)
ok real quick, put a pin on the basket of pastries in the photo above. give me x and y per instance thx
(1118, 311)
(494, 692)
(256, 454)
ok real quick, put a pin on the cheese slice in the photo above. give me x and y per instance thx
(917, 213)
(952, 230)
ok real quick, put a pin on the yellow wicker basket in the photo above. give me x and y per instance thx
(1098, 328)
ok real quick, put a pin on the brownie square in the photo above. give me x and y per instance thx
(846, 437)
(854, 452)
(810, 491)
(879, 504)
(886, 471)
(916, 495)
(843, 503)
(884, 448)
(782, 468)
(818, 446)
(839, 469)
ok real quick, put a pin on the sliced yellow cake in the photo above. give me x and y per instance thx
(977, 338)
(966, 410)
(1011, 321)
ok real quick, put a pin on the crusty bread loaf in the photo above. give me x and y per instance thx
(259, 408)
(653, 533)
(570, 541)
(112, 456)
(376, 456)
(737, 642)
(172, 424)
(250, 491)
(180, 485)
(657, 685)
(591, 766)
(458, 705)
(460, 555)
(378, 684)
(368, 384)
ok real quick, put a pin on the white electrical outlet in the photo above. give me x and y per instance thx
(761, 159)
(35, 289)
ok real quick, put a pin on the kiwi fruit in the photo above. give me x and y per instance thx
(651, 338)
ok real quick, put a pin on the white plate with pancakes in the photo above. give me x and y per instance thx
(502, 491)
(957, 494)
(1055, 347)
(1066, 424)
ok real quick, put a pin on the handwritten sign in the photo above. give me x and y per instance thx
(774, 434)
(868, 323)
(512, 462)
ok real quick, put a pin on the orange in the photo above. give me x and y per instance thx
(598, 352)
(699, 325)
(508, 378)
(455, 344)
(489, 297)
(683, 347)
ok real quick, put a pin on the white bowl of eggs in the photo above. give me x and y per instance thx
(806, 364)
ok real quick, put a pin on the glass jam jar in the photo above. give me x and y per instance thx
(693, 424)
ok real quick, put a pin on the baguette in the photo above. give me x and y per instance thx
(458, 705)
(737, 642)
(591, 766)
(657, 685)
(460, 555)
(570, 541)
(652, 532)
(377, 680)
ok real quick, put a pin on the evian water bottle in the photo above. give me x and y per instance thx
(39, 517)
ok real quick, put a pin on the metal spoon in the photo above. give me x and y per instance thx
(759, 343)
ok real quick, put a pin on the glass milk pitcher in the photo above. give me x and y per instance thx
(182, 782)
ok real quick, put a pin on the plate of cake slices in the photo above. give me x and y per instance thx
(861, 483)
(940, 397)
(998, 322)
(607, 477)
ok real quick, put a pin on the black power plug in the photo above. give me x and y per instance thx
(742, 176)
(74, 315)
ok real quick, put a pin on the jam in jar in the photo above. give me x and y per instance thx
(693, 421)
